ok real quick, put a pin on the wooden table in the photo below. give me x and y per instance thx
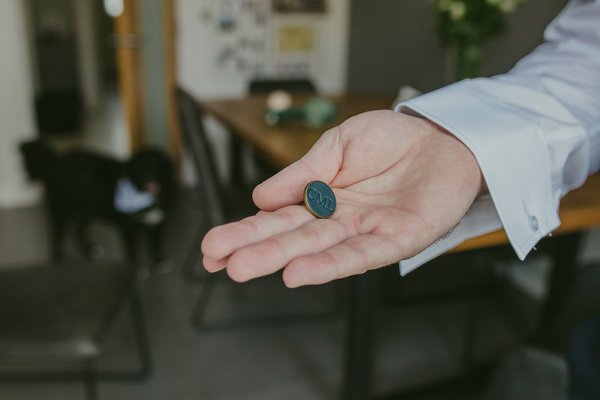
(281, 145)
(579, 210)
(284, 144)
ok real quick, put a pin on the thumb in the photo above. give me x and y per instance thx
(322, 162)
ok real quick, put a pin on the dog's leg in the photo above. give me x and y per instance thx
(161, 265)
(57, 242)
(129, 234)
(57, 233)
(90, 251)
(127, 231)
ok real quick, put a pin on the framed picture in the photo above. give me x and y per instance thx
(299, 6)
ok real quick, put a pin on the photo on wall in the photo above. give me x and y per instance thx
(299, 6)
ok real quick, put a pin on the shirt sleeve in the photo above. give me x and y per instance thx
(534, 131)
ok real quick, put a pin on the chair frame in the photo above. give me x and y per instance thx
(88, 373)
(298, 85)
(192, 127)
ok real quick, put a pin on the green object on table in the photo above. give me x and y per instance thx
(315, 112)
(319, 111)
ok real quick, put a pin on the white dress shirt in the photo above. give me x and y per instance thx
(534, 131)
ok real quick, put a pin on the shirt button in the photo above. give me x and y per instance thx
(533, 223)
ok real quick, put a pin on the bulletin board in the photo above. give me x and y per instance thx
(250, 38)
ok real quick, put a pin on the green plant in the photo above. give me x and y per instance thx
(466, 25)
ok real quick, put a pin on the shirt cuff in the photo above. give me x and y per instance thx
(511, 153)
(481, 218)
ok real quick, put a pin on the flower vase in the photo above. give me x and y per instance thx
(469, 56)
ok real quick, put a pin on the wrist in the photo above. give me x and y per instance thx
(473, 173)
(474, 179)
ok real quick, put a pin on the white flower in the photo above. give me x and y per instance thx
(508, 6)
(457, 10)
(444, 5)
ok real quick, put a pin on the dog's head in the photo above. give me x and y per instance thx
(38, 158)
(152, 171)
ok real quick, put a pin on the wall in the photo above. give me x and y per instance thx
(393, 43)
(200, 42)
(55, 44)
(106, 53)
(153, 64)
(87, 52)
(84, 68)
(16, 105)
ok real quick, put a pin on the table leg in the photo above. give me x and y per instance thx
(359, 337)
(235, 156)
(565, 250)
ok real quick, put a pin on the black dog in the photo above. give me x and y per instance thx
(82, 187)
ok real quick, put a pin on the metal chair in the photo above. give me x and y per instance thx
(223, 204)
(59, 316)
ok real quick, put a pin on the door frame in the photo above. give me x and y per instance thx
(129, 67)
(131, 73)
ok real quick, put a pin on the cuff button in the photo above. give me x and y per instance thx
(533, 223)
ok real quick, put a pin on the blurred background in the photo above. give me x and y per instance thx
(100, 78)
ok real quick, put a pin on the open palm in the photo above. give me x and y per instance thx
(400, 183)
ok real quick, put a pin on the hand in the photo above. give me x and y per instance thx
(401, 182)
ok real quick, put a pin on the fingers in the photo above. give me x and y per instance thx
(276, 252)
(313, 252)
(223, 240)
(351, 257)
(322, 162)
(212, 265)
